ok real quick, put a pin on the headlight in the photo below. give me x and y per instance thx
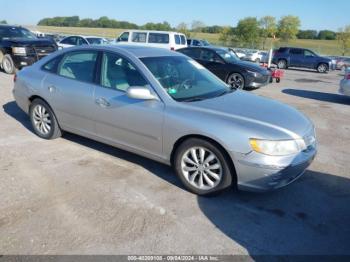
(255, 74)
(279, 147)
(19, 50)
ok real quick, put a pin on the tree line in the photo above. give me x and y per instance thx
(249, 32)
(3, 22)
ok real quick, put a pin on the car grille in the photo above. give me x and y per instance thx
(44, 50)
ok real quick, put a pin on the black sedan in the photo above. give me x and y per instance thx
(228, 67)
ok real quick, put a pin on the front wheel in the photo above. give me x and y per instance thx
(8, 65)
(322, 68)
(236, 80)
(201, 166)
(43, 120)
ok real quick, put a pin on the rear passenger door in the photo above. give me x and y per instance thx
(296, 57)
(123, 121)
(69, 87)
(310, 59)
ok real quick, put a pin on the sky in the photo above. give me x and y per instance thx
(314, 14)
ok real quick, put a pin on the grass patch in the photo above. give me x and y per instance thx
(325, 47)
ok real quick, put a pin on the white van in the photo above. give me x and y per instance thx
(161, 39)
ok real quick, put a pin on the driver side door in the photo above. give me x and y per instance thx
(121, 120)
(213, 62)
(309, 59)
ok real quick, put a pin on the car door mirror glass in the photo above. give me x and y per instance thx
(140, 92)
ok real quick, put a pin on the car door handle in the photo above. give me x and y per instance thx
(102, 102)
(52, 89)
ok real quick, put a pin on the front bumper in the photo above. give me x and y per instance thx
(261, 173)
(22, 61)
(257, 82)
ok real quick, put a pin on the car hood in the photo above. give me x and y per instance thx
(29, 42)
(257, 110)
(251, 67)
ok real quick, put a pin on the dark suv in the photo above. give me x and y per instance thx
(19, 48)
(298, 57)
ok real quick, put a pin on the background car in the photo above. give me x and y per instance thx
(253, 56)
(165, 106)
(345, 84)
(342, 63)
(240, 52)
(160, 39)
(227, 67)
(19, 48)
(286, 57)
(197, 42)
(77, 40)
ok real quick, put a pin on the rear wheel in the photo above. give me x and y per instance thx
(322, 68)
(282, 64)
(236, 80)
(201, 166)
(43, 120)
(7, 65)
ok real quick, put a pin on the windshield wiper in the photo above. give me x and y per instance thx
(194, 99)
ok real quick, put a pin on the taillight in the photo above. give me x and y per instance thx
(15, 78)
(347, 77)
(172, 48)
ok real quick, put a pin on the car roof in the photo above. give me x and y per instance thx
(137, 51)
(153, 31)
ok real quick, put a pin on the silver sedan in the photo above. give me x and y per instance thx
(167, 107)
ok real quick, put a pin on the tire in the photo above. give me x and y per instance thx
(236, 80)
(188, 167)
(322, 68)
(8, 66)
(43, 120)
(278, 80)
(282, 64)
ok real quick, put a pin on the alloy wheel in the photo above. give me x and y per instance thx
(7, 65)
(42, 120)
(201, 168)
(236, 81)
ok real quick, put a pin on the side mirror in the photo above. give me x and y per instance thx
(139, 92)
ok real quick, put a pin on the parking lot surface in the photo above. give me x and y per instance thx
(76, 196)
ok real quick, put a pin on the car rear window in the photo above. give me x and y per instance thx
(158, 38)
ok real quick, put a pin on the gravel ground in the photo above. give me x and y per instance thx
(77, 196)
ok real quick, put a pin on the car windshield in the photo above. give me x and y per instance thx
(184, 79)
(227, 56)
(95, 41)
(205, 43)
(16, 32)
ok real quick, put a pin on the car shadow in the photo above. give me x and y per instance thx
(309, 217)
(320, 96)
(158, 169)
(15, 112)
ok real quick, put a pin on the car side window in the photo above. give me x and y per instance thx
(296, 52)
(308, 53)
(208, 55)
(183, 39)
(193, 53)
(138, 37)
(124, 37)
(69, 41)
(81, 41)
(52, 65)
(119, 74)
(196, 43)
(157, 38)
(79, 65)
(177, 39)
